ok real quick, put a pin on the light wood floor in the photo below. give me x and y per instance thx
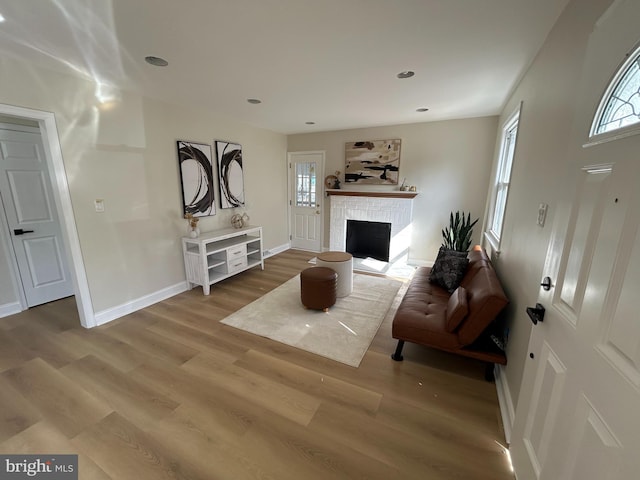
(169, 392)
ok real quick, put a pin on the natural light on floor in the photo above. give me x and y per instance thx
(354, 333)
(374, 264)
(507, 454)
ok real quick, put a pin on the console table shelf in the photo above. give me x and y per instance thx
(217, 255)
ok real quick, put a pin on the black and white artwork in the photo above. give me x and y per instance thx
(196, 175)
(374, 162)
(230, 174)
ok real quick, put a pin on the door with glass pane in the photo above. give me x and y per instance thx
(305, 174)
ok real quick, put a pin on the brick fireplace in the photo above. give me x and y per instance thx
(386, 207)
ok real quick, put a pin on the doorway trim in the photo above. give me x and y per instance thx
(320, 190)
(64, 208)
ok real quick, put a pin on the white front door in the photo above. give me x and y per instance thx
(33, 224)
(305, 177)
(578, 415)
(578, 418)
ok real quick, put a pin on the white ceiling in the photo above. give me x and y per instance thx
(333, 62)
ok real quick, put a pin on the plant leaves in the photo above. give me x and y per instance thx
(458, 235)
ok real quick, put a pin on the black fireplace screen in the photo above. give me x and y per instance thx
(368, 239)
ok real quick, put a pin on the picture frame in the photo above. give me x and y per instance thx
(372, 162)
(196, 178)
(230, 174)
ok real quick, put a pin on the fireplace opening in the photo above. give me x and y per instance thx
(368, 239)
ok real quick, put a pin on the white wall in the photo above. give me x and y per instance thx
(125, 153)
(449, 162)
(548, 92)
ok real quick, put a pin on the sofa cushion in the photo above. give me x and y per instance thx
(449, 269)
(423, 322)
(486, 299)
(421, 286)
(457, 309)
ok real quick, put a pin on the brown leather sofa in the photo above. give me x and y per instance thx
(429, 315)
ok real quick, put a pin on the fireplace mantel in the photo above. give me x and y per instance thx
(360, 193)
(370, 206)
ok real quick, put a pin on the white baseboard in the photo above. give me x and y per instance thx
(276, 250)
(110, 314)
(10, 309)
(507, 410)
(417, 262)
(420, 263)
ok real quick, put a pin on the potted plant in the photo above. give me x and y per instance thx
(458, 235)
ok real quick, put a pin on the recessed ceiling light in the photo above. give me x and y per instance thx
(254, 101)
(422, 110)
(156, 61)
(310, 123)
(406, 74)
(2, 19)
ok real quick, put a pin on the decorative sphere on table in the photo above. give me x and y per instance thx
(239, 221)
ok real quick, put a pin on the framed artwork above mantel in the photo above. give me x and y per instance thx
(372, 162)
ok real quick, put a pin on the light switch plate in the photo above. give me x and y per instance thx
(99, 204)
(542, 213)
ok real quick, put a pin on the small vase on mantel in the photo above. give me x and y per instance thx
(194, 233)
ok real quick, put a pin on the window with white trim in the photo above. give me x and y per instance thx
(620, 105)
(502, 180)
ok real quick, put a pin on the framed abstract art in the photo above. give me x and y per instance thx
(374, 162)
(196, 177)
(230, 174)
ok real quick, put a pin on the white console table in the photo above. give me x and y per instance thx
(220, 254)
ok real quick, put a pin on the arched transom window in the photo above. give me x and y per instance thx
(620, 106)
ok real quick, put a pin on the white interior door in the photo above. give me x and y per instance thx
(577, 416)
(306, 189)
(31, 216)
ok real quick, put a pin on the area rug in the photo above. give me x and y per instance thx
(343, 334)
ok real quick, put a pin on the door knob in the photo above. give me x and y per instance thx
(536, 314)
(19, 231)
(318, 212)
